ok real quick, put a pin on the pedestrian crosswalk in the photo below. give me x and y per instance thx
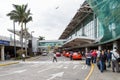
(59, 65)
(50, 62)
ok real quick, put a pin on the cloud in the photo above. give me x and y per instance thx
(47, 20)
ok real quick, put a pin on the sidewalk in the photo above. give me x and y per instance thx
(106, 75)
(10, 62)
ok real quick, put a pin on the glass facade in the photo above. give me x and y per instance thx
(85, 28)
(90, 30)
(52, 44)
(108, 13)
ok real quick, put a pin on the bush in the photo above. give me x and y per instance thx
(20, 52)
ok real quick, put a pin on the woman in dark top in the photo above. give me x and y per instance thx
(102, 61)
(109, 54)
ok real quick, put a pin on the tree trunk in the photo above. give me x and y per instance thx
(25, 39)
(21, 40)
(14, 39)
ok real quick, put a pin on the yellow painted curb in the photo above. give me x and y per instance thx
(91, 70)
(9, 63)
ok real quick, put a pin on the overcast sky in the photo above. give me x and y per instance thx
(50, 17)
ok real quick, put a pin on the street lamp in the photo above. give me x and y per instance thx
(14, 39)
(31, 41)
(31, 34)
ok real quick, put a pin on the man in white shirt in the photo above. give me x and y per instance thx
(115, 63)
(23, 57)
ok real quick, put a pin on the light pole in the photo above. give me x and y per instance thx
(31, 40)
(14, 39)
(31, 34)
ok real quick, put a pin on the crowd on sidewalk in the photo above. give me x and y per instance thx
(104, 59)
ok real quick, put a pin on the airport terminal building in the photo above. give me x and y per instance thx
(94, 26)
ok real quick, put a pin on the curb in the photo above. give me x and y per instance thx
(91, 71)
(9, 63)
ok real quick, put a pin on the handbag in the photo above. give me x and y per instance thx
(117, 59)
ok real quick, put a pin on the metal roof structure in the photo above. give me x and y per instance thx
(81, 14)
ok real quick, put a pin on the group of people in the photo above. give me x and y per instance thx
(104, 59)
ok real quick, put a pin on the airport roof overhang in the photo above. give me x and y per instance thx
(28, 35)
(81, 14)
(81, 41)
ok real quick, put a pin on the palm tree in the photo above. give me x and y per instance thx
(41, 38)
(20, 15)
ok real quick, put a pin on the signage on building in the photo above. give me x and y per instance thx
(4, 42)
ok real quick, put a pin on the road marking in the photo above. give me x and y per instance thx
(44, 70)
(60, 74)
(60, 66)
(91, 71)
(84, 66)
(75, 66)
(49, 62)
(19, 71)
(65, 67)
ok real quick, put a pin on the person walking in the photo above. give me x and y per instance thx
(88, 58)
(115, 63)
(23, 57)
(94, 56)
(109, 54)
(71, 54)
(54, 57)
(102, 61)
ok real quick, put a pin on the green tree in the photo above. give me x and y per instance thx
(20, 15)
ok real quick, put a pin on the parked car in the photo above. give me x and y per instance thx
(58, 54)
(76, 56)
(67, 54)
(44, 53)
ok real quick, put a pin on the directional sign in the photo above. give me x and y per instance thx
(60, 74)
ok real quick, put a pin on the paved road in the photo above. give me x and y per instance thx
(44, 69)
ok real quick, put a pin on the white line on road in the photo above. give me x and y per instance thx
(60, 74)
(60, 66)
(65, 67)
(75, 66)
(19, 71)
(84, 67)
(44, 70)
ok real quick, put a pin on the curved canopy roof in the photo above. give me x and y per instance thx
(81, 14)
(81, 41)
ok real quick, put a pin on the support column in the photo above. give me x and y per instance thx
(99, 47)
(2, 53)
(115, 44)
